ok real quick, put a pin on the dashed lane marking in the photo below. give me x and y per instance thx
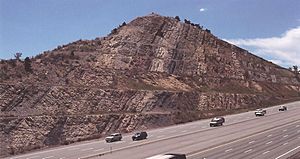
(269, 142)
(285, 143)
(251, 142)
(184, 131)
(270, 135)
(266, 152)
(32, 157)
(160, 136)
(228, 150)
(285, 136)
(74, 148)
(97, 150)
(48, 157)
(248, 151)
(87, 149)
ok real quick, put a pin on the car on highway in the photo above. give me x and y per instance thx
(114, 137)
(217, 121)
(260, 112)
(168, 156)
(282, 108)
(139, 136)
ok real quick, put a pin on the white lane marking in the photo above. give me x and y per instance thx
(173, 131)
(248, 151)
(120, 142)
(57, 149)
(266, 152)
(87, 149)
(270, 135)
(297, 126)
(285, 136)
(132, 143)
(48, 157)
(269, 142)
(160, 136)
(98, 150)
(284, 130)
(288, 152)
(32, 157)
(251, 142)
(74, 148)
(285, 143)
(62, 158)
(228, 150)
(184, 131)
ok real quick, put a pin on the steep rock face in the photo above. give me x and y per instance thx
(153, 72)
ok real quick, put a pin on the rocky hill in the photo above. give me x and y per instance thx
(152, 72)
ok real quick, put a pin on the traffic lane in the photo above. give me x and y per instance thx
(286, 149)
(201, 140)
(114, 146)
(99, 146)
(287, 139)
(171, 131)
(255, 146)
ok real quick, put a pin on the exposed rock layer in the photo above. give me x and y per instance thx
(153, 72)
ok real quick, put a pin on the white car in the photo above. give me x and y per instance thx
(113, 137)
(260, 112)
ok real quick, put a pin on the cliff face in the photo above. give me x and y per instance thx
(153, 72)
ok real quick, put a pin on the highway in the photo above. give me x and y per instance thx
(274, 136)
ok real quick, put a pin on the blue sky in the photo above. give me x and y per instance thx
(34, 26)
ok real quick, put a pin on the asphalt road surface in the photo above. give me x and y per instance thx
(273, 136)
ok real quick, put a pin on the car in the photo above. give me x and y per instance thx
(282, 108)
(260, 112)
(139, 136)
(168, 156)
(217, 121)
(114, 137)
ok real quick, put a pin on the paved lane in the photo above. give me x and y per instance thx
(192, 138)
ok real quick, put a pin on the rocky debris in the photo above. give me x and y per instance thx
(152, 72)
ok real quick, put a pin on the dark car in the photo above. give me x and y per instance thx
(217, 121)
(139, 136)
(282, 108)
(113, 137)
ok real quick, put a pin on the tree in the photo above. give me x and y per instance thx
(27, 64)
(177, 18)
(123, 24)
(187, 21)
(295, 69)
(18, 55)
(114, 31)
